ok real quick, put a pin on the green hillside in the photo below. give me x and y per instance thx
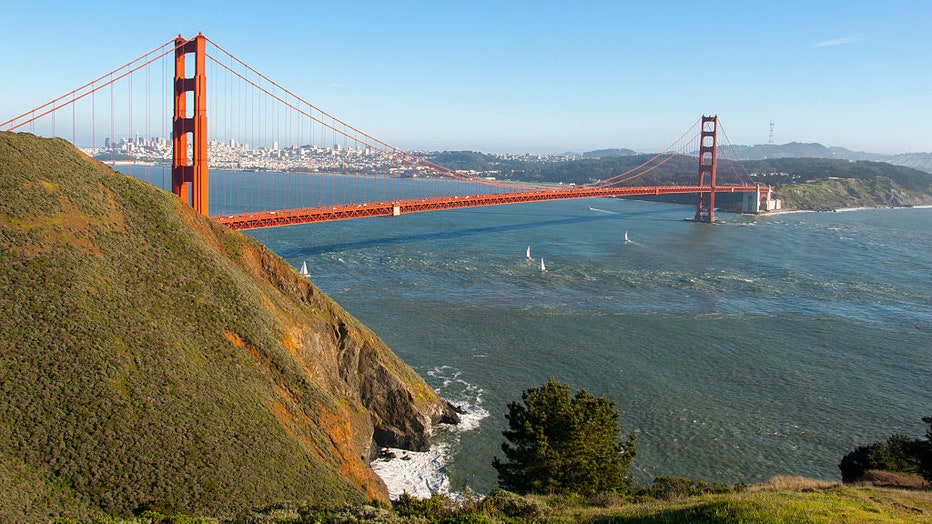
(150, 358)
(823, 184)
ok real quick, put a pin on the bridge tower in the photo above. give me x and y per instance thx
(708, 161)
(190, 176)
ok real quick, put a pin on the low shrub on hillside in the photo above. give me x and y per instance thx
(899, 454)
(670, 488)
(436, 508)
(513, 505)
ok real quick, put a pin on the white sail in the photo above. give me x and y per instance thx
(542, 266)
(303, 271)
(529, 253)
(626, 236)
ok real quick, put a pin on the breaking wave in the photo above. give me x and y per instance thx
(423, 474)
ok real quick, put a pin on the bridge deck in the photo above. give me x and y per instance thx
(287, 217)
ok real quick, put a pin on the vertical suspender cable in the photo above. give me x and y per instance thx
(112, 151)
(343, 169)
(232, 132)
(164, 116)
(148, 138)
(129, 125)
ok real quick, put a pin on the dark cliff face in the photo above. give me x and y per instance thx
(404, 415)
(149, 356)
(403, 409)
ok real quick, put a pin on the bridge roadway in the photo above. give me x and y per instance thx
(289, 217)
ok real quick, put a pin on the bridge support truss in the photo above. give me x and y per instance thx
(190, 177)
(708, 160)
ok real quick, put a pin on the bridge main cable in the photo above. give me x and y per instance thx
(73, 93)
(373, 142)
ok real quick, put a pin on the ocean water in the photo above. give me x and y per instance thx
(764, 346)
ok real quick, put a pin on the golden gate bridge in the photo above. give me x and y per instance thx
(352, 168)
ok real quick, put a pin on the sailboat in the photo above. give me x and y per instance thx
(542, 266)
(303, 271)
(529, 253)
(626, 237)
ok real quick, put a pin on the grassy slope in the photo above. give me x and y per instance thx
(824, 195)
(823, 504)
(148, 356)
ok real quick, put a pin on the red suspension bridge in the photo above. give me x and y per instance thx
(327, 169)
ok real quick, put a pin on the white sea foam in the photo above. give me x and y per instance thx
(419, 474)
(847, 209)
(422, 474)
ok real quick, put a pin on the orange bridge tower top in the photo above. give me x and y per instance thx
(189, 176)
(708, 162)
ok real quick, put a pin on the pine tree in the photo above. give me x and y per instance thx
(925, 452)
(560, 443)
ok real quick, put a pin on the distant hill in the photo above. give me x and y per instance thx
(824, 184)
(151, 358)
(791, 150)
(464, 160)
(605, 153)
(920, 161)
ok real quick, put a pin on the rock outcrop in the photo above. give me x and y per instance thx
(353, 362)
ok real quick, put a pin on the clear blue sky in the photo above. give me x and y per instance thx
(529, 76)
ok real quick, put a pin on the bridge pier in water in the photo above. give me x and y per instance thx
(756, 202)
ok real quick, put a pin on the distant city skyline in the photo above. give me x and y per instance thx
(531, 77)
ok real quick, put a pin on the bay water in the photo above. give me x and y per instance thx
(765, 346)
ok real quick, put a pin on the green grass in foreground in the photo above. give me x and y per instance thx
(783, 500)
(833, 504)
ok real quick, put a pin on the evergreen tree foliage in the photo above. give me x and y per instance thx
(898, 453)
(564, 444)
(925, 452)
